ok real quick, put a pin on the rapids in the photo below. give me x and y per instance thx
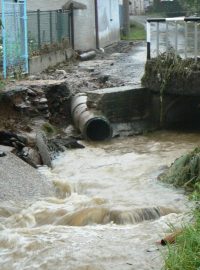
(109, 211)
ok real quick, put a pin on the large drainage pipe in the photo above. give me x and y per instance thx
(92, 125)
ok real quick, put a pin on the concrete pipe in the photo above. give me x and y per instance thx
(87, 56)
(91, 124)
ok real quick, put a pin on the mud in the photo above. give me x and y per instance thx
(118, 65)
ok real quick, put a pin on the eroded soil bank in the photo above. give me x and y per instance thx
(28, 106)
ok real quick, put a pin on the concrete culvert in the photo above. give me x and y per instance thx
(92, 124)
(98, 129)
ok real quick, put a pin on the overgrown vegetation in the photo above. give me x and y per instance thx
(185, 255)
(137, 32)
(169, 8)
(185, 172)
(167, 67)
(169, 71)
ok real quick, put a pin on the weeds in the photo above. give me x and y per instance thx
(185, 255)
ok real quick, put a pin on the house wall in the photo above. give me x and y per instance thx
(84, 26)
(109, 22)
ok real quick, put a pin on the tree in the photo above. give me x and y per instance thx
(192, 5)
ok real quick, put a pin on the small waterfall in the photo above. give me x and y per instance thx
(96, 215)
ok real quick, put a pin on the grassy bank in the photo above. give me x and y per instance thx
(185, 254)
(137, 32)
(185, 173)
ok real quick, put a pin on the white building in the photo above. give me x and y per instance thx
(104, 32)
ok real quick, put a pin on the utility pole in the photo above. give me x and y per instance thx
(126, 20)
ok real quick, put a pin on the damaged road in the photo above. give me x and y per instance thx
(118, 65)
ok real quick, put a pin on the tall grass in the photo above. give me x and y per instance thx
(185, 254)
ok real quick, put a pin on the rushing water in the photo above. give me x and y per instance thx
(104, 193)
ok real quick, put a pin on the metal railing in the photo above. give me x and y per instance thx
(180, 35)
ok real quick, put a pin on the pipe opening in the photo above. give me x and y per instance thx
(98, 129)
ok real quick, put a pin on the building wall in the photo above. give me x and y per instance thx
(109, 22)
(84, 27)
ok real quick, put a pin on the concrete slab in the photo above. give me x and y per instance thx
(19, 181)
(119, 89)
(121, 104)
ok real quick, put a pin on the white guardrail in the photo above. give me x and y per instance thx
(181, 34)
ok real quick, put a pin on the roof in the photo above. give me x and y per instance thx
(45, 4)
(76, 5)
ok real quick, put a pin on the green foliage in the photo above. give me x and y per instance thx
(48, 129)
(185, 255)
(192, 5)
(185, 172)
(171, 8)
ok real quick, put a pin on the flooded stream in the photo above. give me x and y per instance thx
(109, 213)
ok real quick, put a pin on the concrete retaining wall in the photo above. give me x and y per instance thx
(38, 64)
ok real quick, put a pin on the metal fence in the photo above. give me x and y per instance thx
(49, 30)
(14, 51)
(180, 35)
(36, 33)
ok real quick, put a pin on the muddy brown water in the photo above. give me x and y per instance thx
(110, 209)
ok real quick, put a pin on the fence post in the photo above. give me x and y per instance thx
(72, 24)
(157, 38)
(25, 37)
(186, 39)
(176, 38)
(50, 26)
(195, 41)
(167, 37)
(4, 41)
(59, 25)
(148, 40)
(38, 25)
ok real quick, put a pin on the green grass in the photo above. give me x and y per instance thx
(137, 32)
(185, 254)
